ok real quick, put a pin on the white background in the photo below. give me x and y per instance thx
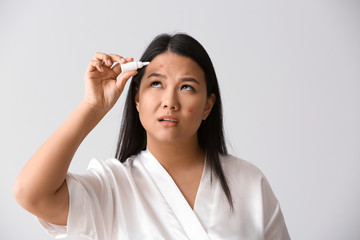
(289, 73)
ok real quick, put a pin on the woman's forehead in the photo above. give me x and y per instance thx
(169, 62)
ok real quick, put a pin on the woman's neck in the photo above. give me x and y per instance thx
(177, 155)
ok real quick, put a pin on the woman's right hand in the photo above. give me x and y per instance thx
(102, 89)
(40, 186)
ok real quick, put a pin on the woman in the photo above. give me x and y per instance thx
(172, 178)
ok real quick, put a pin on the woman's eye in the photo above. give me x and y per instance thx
(187, 88)
(156, 84)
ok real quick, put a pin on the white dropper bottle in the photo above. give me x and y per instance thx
(133, 65)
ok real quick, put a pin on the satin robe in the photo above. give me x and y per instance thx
(138, 199)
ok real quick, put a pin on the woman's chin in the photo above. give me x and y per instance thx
(171, 139)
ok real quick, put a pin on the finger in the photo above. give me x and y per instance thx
(95, 65)
(117, 58)
(117, 69)
(124, 77)
(103, 58)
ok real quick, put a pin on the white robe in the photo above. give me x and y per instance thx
(138, 199)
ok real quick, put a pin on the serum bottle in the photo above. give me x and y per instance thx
(133, 66)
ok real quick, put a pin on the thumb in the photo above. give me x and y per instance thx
(123, 78)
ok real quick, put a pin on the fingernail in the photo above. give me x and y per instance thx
(109, 61)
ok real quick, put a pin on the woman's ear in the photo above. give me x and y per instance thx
(209, 104)
(137, 98)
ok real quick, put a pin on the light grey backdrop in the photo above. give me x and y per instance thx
(289, 73)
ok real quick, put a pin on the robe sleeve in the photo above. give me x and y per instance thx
(90, 205)
(275, 227)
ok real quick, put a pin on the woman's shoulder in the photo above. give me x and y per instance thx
(103, 168)
(107, 172)
(246, 178)
(233, 165)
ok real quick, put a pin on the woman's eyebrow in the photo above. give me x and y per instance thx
(156, 75)
(189, 79)
(184, 79)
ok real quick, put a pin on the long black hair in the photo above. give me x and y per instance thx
(132, 139)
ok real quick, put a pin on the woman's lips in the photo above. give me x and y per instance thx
(168, 121)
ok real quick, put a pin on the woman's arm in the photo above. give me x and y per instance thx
(40, 186)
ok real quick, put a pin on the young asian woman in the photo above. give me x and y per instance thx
(171, 177)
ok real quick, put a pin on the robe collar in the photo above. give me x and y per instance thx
(175, 199)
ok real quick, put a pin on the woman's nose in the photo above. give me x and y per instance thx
(170, 100)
